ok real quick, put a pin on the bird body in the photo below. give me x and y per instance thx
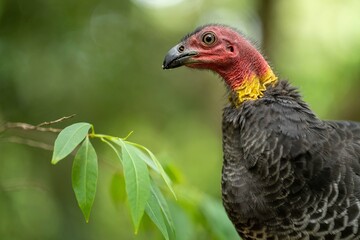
(286, 173)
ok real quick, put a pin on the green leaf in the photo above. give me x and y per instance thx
(144, 157)
(84, 177)
(174, 173)
(117, 190)
(117, 152)
(137, 180)
(68, 139)
(153, 210)
(158, 168)
(161, 202)
(217, 219)
(184, 224)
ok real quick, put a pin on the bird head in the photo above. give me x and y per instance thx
(227, 52)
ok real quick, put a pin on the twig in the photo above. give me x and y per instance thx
(55, 121)
(39, 127)
(27, 127)
(28, 142)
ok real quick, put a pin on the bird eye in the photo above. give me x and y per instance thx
(208, 38)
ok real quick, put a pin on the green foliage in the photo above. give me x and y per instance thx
(137, 180)
(142, 193)
(217, 220)
(68, 140)
(158, 211)
(117, 192)
(84, 176)
(204, 210)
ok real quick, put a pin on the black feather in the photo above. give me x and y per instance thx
(288, 174)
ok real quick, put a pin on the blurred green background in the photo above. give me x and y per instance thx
(102, 61)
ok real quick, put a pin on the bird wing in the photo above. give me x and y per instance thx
(345, 138)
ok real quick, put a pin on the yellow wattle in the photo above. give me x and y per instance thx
(253, 87)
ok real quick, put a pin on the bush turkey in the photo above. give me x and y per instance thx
(286, 173)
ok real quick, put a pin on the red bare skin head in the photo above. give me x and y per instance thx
(220, 49)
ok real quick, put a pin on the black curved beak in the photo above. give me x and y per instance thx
(177, 57)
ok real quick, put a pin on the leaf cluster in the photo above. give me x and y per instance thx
(143, 195)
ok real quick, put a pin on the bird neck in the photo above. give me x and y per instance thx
(252, 88)
(248, 77)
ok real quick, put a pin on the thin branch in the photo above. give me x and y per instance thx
(27, 127)
(28, 142)
(40, 127)
(55, 121)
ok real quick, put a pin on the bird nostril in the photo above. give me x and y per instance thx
(181, 48)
